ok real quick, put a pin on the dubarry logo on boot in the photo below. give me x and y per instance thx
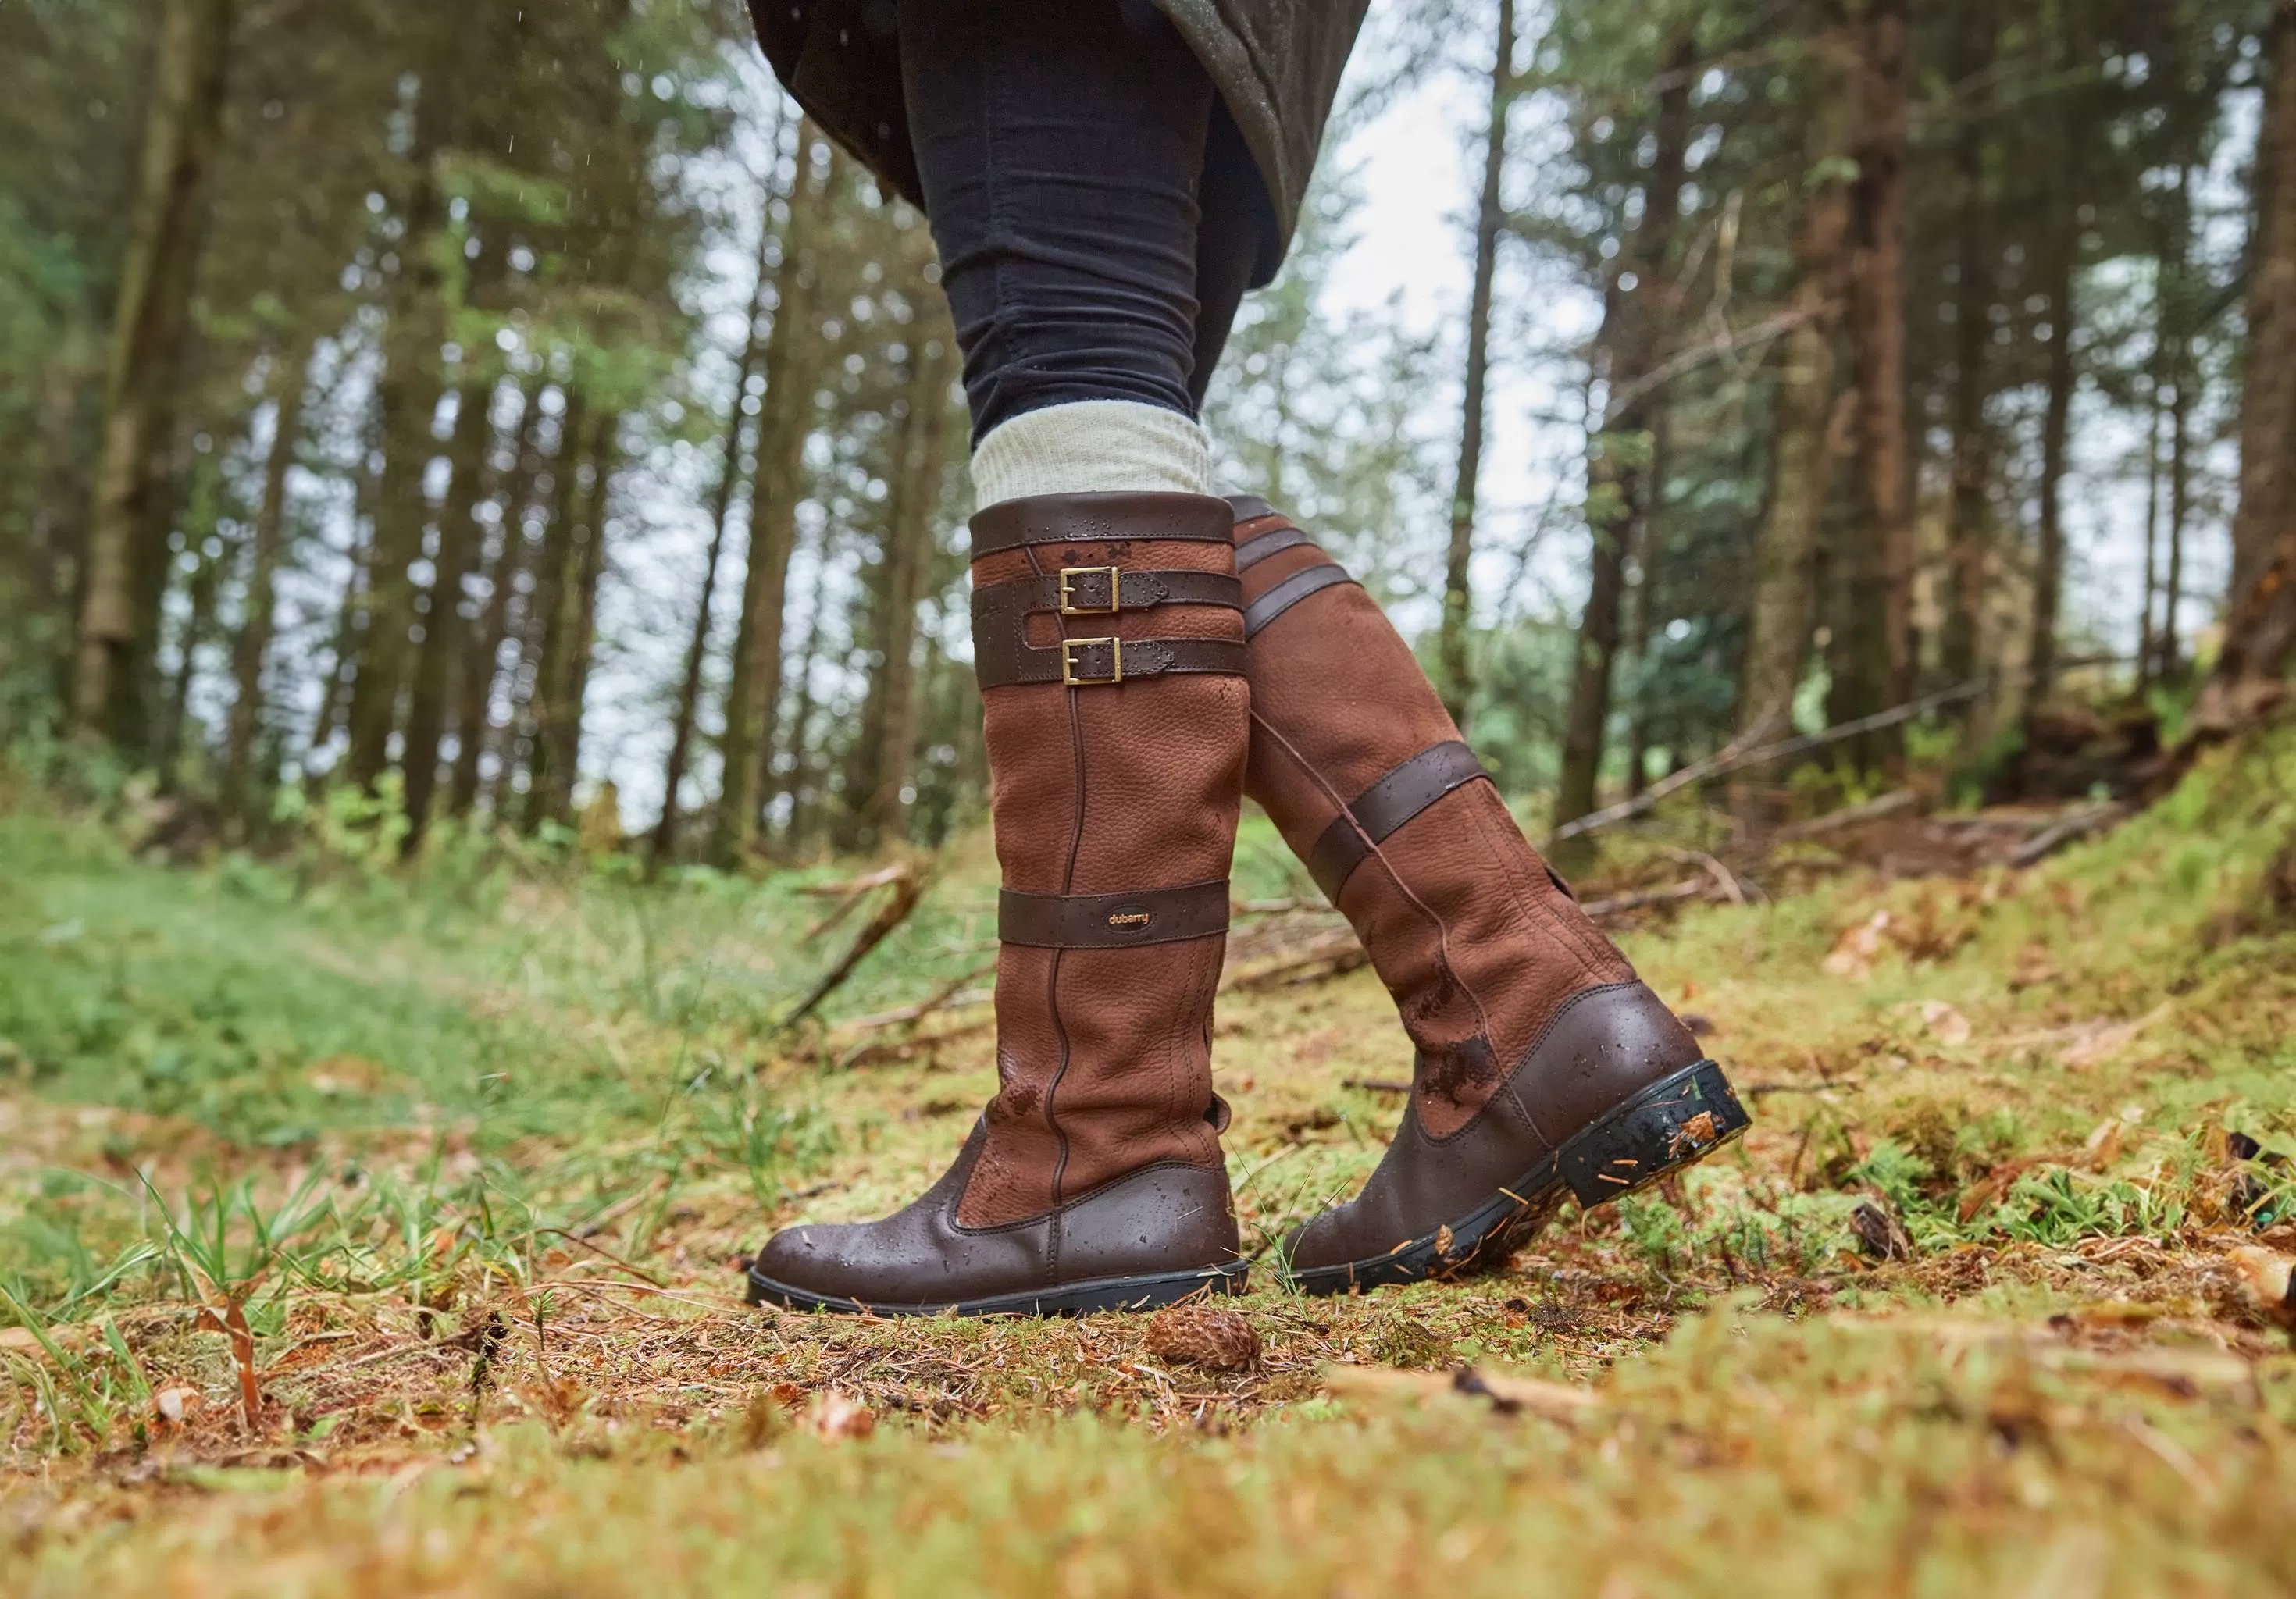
(1130, 917)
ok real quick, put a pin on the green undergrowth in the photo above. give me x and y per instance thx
(474, 1158)
(1745, 1455)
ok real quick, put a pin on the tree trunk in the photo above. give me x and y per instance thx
(887, 736)
(795, 782)
(1778, 639)
(753, 691)
(1973, 296)
(446, 632)
(1455, 670)
(721, 505)
(482, 657)
(407, 402)
(2147, 645)
(2260, 627)
(2180, 504)
(1881, 646)
(2061, 269)
(1643, 600)
(549, 621)
(54, 554)
(202, 523)
(119, 618)
(559, 740)
(1619, 455)
(342, 648)
(2268, 418)
(250, 651)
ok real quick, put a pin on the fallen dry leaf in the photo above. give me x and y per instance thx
(172, 1405)
(23, 1340)
(2093, 1043)
(1947, 1025)
(1882, 1235)
(2035, 967)
(2270, 1278)
(835, 1413)
(1856, 951)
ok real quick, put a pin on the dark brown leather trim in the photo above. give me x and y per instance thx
(1381, 810)
(1166, 1218)
(1101, 519)
(1002, 657)
(1101, 591)
(1288, 592)
(1605, 1046)
(1112, 921)
(1251, 552)
(1249, 507)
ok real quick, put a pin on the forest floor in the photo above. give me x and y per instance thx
(359, 1237)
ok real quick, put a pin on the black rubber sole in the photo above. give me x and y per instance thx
(1673, 1124)
(1069, 1298)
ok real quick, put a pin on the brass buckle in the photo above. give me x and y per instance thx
(1070, 574)
(1069, 646)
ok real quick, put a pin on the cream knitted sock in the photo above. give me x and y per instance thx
(1092, 447)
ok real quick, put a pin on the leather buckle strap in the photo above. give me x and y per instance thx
(1080, 660)
(1112, 921)
(1252, 551)
(1298, 587)
(1249, 507)
(1382, 809)
(1099, 591)
(1002, 656)
(1101, 519)
(1076, 584)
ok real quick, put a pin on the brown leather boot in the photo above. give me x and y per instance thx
(1109, 644)
(1542, 1066)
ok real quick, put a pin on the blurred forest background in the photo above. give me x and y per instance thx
(492, 416)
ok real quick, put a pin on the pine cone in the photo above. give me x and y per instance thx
(1218, 1341)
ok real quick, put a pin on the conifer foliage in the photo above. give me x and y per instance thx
(467, 406)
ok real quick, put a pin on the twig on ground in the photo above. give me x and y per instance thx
(954, 995)
(894, 1049)
(2072, 829)
(1326, 954)
(1715, 870)
(1618, 904)
(851, 893)
(607, 1255)
(1375, 1085)
(908, 887)
(1506, 1395)
(1743, 753)
(1674, 782)
(1872, 810)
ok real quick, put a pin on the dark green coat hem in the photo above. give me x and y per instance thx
(1276, 64)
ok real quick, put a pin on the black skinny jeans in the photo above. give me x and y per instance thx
(1098, 216)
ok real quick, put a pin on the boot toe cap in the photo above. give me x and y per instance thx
(818, 1260)
(1321, 1240)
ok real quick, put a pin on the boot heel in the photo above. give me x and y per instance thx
(1671, 1125)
